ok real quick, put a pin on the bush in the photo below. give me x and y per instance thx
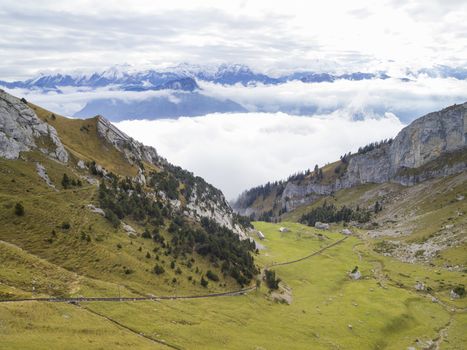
(460, 291)
(66, 182)
(158, 269)
(110, 215)
(66, 225)
(212, 276)
(271, 280)
(204, 282)
(19, 209)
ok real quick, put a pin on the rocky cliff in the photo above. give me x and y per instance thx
(21, 130)
(431, 146)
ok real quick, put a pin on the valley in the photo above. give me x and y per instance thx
(105, 244)
(327, 309)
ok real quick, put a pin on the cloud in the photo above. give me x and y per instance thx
(268, 35)
(237, 151)
(407, 100)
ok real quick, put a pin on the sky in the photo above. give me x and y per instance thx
(237, 151)
(271, 36)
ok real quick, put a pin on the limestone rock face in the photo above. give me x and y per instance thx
(207, 202)
(21, 130)
(428, 137)
(124, 143)
(423, 141)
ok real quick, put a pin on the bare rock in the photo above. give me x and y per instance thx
(321, 225)
(44, 176)
(21, 129)
(95, 209)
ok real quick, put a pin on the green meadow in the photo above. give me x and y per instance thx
(326, 309)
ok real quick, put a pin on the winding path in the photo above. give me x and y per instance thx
(311, 255)
(124, 299)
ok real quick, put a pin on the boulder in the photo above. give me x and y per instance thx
(346, 232)
(355, 274)
(128, 229)
(321, 225)
(420, 286)
(96, 210)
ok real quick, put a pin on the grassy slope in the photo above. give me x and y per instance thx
(383, 314)
(419, 212)
(80, 139)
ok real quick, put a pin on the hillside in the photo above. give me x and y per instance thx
(106, 215)
(430, 147)
(105, 244)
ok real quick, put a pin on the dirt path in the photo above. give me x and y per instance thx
(125, 299)
(139, 334)
(309, 256)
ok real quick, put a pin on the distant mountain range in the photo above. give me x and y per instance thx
(184, 97)
(226, 74)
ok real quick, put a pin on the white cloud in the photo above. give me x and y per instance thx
(237, 151)
(407, 100)
(268, 35)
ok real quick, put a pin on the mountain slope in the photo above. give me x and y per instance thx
(107, 211)
(172, 105)
(431, 146)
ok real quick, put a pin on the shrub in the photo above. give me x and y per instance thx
(204, 282)
(110, 215)
(19, 209)
(212, 276)
(146, 234)
(178, 271)
(459, 290)
(158, 269)
(66, 225)
(66, 182)
(271, 280)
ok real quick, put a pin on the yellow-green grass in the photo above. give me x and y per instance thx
(383, 308)
(46, 326)
(95, 268)
(422, 210)
(81, 139)
(325, 302)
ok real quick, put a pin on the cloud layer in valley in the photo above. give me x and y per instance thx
(237, 151)
(406, 99)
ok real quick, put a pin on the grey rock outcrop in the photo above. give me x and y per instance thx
(425, 140)
(21, 130)
(43, 175)
(132, 149)
(207, 202)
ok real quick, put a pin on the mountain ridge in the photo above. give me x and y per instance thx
(400, 160)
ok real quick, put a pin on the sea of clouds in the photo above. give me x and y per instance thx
(237, 151)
